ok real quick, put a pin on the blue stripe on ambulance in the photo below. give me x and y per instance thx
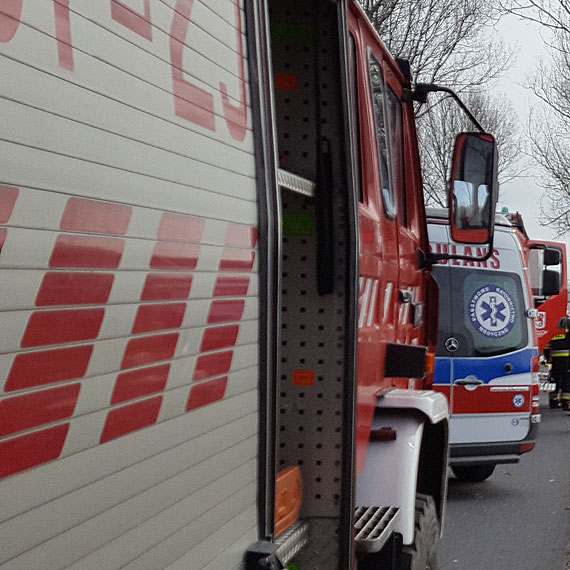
(484, 368)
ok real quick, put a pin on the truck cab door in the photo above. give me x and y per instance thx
(543, 267)
(378, 220)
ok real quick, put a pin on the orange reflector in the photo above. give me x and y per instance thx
(430, 362)
(303, 377)
(286, 81)
(288, 498)
(525, 447)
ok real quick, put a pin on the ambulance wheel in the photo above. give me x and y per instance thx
(423, 554)
(472, 473)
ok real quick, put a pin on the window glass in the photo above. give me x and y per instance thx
(353, 94)
(483, 310)
(396, 148)
(377, 87)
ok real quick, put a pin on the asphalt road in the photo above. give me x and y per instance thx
(519, 518)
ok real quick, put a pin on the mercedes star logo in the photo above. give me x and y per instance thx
(452, 344)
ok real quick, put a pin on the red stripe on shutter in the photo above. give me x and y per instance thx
(239, 235)
(210, 365)
(68, 325)
(87, 252)
(230, 286)
(132, 417)
(8, 197)
(39, 368)
(61, 288)
(219, 337)
(33, 449)
(31, 410)
(206, 393)
(138, 383)
(159, 317)
(94, 216)
(177, 227)
(237, 260)
(149, 349)
(164, 286)
(167, 255)
(226, 311)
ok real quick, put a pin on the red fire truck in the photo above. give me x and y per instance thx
(218, 315)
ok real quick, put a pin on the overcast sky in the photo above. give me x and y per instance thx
(523, 194)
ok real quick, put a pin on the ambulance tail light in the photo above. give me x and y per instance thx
(535, 397)
(535, 367)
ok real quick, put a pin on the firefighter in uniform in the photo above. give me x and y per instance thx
(558, 350)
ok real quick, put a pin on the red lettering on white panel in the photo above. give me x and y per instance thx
(63, 34)
(10, 13)
(236, 116)
(138, 23)
(190, 101)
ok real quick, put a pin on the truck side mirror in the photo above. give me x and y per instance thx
(550, 283)
(473, 188)
(551, 256)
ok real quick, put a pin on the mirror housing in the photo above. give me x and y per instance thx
(474, 188)
(550, 283)
(551, 256)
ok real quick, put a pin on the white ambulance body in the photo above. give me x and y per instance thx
(486, 358)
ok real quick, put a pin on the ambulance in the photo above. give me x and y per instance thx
(487, 354)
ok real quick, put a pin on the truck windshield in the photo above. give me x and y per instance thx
(482, 310)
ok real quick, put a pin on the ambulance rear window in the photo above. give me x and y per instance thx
(483, 310)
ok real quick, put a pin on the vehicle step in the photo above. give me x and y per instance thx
(294, 182)
(373, 527)
(292, 541)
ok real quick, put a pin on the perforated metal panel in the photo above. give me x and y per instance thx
(314, 388)
(310, 418)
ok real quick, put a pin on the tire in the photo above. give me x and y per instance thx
(423, 554)
(472, 473)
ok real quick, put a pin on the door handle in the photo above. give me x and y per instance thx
(406, 296)
(469, 381)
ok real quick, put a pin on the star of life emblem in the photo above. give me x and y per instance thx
(492, 311)
(518, 400)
